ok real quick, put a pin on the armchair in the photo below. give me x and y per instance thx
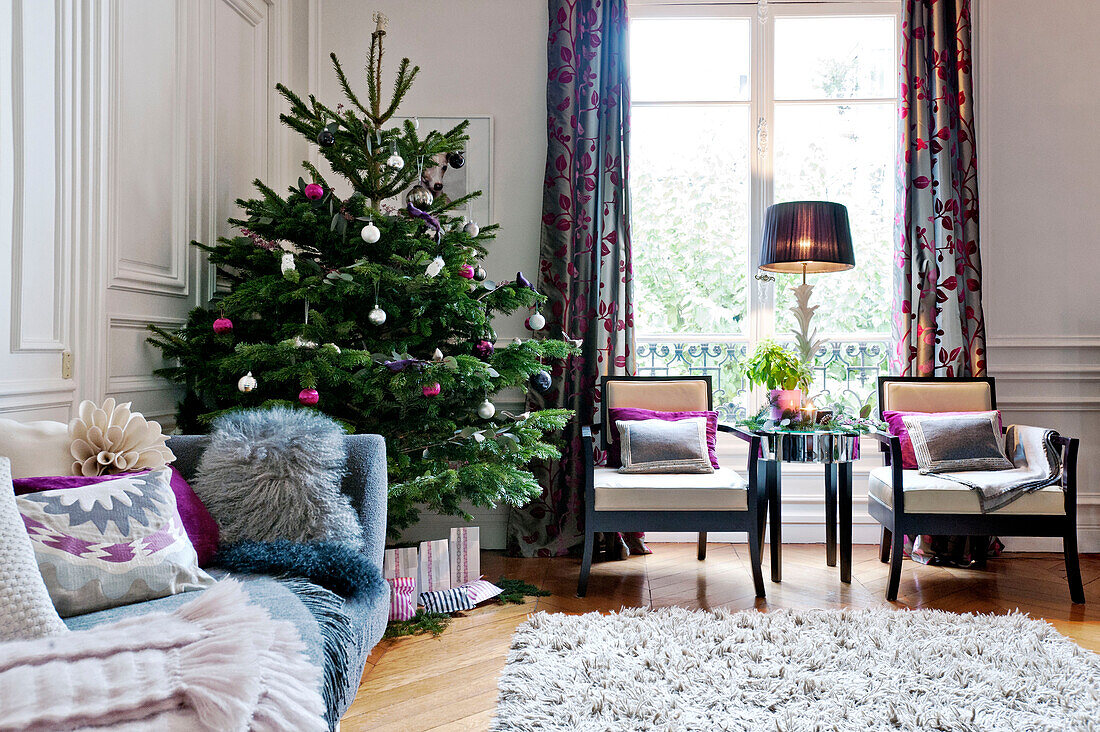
(906, 502)
(701, 502)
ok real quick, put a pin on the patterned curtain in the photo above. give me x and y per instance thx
(585, 261)
(938, 325)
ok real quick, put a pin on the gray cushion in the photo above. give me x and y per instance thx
(661, 446)
(954, 443)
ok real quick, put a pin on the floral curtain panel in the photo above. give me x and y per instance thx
(585, 261)
(939, 326)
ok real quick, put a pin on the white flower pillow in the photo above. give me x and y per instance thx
(111, 543)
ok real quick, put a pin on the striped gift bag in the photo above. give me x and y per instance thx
(480, 590)
(402, 598)
(435, 566)
(446, 601)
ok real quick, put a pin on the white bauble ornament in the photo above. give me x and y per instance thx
(370, 233)
(377, 316)
(536, 321)
(395, 161)
(247, 383)
(486, 409)
(287, 263)
(435, 267)
(472, 228)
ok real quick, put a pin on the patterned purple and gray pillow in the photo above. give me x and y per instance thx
(111, 542)
(630, 414)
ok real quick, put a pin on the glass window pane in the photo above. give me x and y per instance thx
(842, 153)
(689, 187)
(835, 58)
(689, 59)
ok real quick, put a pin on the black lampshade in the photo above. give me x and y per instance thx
(810, 233)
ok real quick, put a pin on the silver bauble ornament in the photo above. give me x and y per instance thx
(486, 409)
(370, 233)
(480, 274)
(377, 316)
(472, 228)
(536, 321)
(419, 196)
(395, 161)
(247, 383)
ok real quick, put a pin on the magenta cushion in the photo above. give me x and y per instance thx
(897, 428)
(200, 526)
(630, 414)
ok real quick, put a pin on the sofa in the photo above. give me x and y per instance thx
(365, 484)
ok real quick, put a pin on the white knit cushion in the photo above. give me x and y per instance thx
(36, 448)
(933, 494)
(722, 490)
(25, 608)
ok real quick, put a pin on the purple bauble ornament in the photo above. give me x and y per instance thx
(314, 191)
(430, 390)
(466, 271)
(484, 348)
(223, 325)
(309, 397)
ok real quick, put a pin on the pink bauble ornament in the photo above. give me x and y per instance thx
(309, 397)
(431, 389)
(223, 325)
(314, 191)
(484, 348)
(466, 271)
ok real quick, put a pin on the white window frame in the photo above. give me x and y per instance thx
(761, 316)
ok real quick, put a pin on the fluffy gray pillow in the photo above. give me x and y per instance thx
(958, 442)
(275, 473)
(661, 446)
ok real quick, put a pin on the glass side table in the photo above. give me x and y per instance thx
(836, 450)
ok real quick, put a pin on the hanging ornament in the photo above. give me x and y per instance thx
(223, 325)
(517, 341)
(484, 348)
(472, 228)
(430, 390)
(480, 274)
(395, 161)
(522, 281)
(536, 321)
(247, 383)
(456, 160)
(325, 137)
(437, 355)
(300, 342)
(309, 397)
(287, 263)
(376, 316)
(416, 123)
(370, 233)
(486, 409)
(540, 381)
(466, 271)
(314, 191)
(419, 196)
(434, 267)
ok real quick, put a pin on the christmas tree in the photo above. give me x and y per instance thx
(378, 314)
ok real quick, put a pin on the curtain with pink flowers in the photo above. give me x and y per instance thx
(585, 260)
(939, 326)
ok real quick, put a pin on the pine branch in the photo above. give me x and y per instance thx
(346, 86)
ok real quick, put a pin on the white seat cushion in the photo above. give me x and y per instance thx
(933, 494)
(722, 490)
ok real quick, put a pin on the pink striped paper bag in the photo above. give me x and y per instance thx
(435, 567)
(465, 555)
(402, 598)
(401, 563)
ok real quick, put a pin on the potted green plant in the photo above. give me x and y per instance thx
(782, 373)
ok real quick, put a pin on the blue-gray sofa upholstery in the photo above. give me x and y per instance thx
(365, 484)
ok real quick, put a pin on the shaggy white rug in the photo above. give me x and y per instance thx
(789, 671)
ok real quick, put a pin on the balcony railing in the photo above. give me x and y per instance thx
(846, 368)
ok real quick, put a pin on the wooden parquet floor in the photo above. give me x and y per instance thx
(450, 682)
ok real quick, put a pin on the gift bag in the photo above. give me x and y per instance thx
(401, 563)
(480, 590)
(465, 555)
(446, 601)
(435, 567)
(402, 598)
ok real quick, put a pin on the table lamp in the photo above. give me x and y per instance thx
(807, 237)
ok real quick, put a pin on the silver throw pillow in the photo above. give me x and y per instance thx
(661, 446)
(945, 444)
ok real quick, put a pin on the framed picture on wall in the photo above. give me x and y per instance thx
(474, 175)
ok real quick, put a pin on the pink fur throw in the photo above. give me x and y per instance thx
(216, 663)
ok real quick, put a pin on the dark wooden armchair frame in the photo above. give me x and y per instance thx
(897, 523)
(750, 520)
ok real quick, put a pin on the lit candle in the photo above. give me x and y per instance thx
(809, 413)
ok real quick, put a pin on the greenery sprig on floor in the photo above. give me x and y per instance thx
(516, 590)
(435, 623)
